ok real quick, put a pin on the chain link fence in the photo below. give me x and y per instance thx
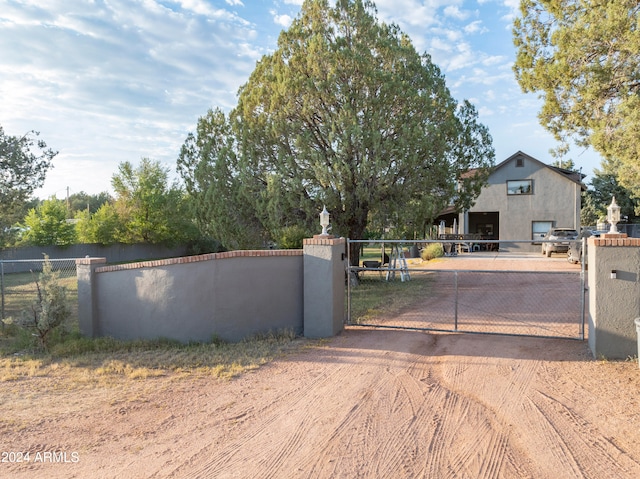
(18, 288)
(489, 291)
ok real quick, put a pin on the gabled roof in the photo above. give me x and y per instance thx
(574, 176)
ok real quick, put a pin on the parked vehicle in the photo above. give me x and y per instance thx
(574, 255)
(559, 240)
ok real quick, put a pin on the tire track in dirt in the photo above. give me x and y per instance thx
(261, 427)
(304, 407)
(589, 455)
(471, 442)
(368, 404)
(419, 417)
(393, 411)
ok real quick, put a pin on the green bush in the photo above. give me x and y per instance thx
(51, 308)
(431, 251)
(204, 245)
(291, 237)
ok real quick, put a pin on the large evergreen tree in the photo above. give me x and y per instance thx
(583, 58)
(605, 185)
(345, 113)
(221, 201)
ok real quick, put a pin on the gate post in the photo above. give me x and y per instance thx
(324, 288)
(87, 303)
(614, 281)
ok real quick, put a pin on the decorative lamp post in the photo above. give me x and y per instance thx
(324, 221)
(613, 216)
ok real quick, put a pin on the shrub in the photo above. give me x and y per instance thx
(204, 245)
(51, 307)
(431, 251)
(291, 237)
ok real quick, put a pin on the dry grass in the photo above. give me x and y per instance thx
(78, 362)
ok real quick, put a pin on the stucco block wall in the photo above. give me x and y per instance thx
(613, 303)
(229, 295)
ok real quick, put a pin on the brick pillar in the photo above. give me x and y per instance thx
(614, 295)
(324, 286)
(87, 304)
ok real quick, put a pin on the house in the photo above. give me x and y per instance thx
(523, 199)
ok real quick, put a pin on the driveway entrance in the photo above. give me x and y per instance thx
(504, 292)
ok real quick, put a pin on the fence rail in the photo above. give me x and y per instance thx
(18, 289)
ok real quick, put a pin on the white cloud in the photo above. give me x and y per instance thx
(459, 56)
(454, 12)
(114, 80)
(495, 60)
(124, 80)
(475, 27)
(282, 20)
(199, 7)
(409, 13)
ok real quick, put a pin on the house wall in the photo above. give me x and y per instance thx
(554, 198)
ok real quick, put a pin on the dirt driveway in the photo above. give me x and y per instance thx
(368, 403)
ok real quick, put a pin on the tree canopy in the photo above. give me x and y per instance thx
(605, 185)
(583, 58)
(24, 162)
(149, 209)
(47, 225)
(91, 203)
(345, 113)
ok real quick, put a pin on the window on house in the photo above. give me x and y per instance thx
(519, 162)
(520, 187)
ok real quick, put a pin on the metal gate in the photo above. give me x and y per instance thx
(508, 289)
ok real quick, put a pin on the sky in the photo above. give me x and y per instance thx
(109, 81)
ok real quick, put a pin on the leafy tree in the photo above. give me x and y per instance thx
(605, 185)
(150, 210)
(565, 164)
(582, 56)
(47, 224)
(83, 201)
(345, 113)
(101, 227)
(24, 162)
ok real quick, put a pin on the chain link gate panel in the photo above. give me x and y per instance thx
(18, 289)
(513, 293)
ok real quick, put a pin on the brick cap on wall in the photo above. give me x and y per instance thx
(202, 257)
(318, 240)
(621, 241)
(91, 261)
